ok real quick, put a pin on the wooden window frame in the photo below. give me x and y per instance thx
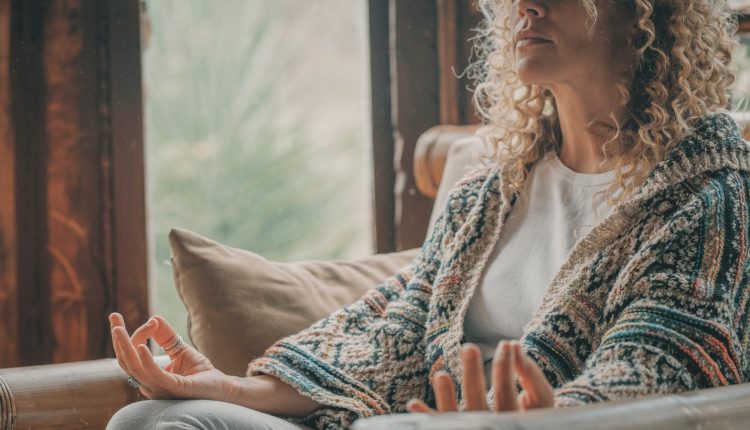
(418, 49)
(72, 225)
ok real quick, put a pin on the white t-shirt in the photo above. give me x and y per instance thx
(542, 227)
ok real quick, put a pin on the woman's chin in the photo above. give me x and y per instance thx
(533, 73)
(532, 79)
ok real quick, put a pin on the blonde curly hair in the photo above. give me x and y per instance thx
(680, 73)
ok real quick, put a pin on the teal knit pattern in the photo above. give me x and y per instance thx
(653, 300)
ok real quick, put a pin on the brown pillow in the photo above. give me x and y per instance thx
(239, 303)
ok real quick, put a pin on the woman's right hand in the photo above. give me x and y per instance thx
(189, 373)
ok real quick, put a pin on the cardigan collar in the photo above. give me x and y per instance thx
(715, 144)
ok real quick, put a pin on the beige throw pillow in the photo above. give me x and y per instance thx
(239, 303)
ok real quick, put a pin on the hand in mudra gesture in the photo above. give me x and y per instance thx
(509, 360)
(189, 373)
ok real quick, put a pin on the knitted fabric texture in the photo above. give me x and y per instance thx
(653, 300)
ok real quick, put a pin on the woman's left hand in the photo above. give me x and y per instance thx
(509, 359)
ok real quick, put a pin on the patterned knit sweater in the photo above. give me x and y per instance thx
(653, 300)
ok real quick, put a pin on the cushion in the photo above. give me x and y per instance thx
(240, 303)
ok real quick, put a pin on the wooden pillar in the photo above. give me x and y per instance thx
(9, 355)
(457, 20)
(415, 108)
(417, 82)
(382, 128)
(27, 90)
(74, 243)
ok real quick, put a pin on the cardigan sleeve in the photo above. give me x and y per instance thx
(369, 357)
(677, 316)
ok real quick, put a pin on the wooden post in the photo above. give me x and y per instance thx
(72, 227)
(428, 51)
(415, 108)
(8, 243)
(457, 20)
(382, 129)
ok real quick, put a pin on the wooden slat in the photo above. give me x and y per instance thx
(448, 55)
(469, 17)
(34, 329)
(456, 23)
(744, 23)
(129, 243)
(74, 189)
(382, 129)
(416, 107)
(72, 222)
(8, 243)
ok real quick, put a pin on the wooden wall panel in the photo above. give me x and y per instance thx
(382, 128)
(28, 90)
(128, 241)
(427, 53)
(73, 231)
(8, 244)
(74, 179)
(457, 20)
(415, 108)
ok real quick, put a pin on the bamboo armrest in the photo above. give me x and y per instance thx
(433, 146)
(81, 395)
(431, 154)
(725, 408)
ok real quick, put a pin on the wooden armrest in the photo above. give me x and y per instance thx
(64, 396)
(431, 153)
(743, 122)
(433, 146)
(725, 408)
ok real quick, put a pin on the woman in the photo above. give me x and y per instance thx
(605, 119)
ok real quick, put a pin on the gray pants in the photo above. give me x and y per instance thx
(194, 415)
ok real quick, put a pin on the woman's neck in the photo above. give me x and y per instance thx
(585, 126)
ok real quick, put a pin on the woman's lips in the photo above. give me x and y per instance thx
(531, 41)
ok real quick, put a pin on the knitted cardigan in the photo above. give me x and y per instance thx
(653, 300)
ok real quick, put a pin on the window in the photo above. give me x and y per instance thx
(257, 129)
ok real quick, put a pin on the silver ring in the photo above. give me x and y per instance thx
(175, 347)
(133, 382)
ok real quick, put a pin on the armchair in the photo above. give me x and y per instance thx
(86, 394)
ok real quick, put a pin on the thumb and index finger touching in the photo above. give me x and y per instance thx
(156, 327)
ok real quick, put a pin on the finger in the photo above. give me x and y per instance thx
(165, 384)
(153, 388)
(118, 351)
(116, 320)
(532, 379)
(503, 381)
(147, 393)
(115, 346)
(144, 384)
(141, 335)
(164, 334)
(445, 392)
(418, 406)
(473, 385)
(127, 351)
(525, 402)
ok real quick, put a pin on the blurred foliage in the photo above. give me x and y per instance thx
(257, 129)
(741, 89)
